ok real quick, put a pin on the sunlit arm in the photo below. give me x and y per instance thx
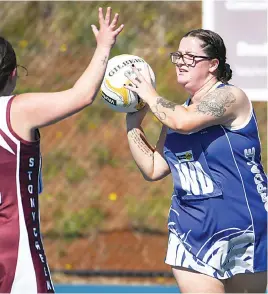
(89, 83)
(37, 110)
(217, 107)
(40, 109)
(149, 160)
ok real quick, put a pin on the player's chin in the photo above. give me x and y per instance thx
(182, 80)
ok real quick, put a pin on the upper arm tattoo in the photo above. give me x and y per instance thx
(160, 101)
(216, 102)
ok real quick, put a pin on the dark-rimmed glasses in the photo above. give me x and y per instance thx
(187, 58)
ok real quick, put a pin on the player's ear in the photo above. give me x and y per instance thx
(214, 64)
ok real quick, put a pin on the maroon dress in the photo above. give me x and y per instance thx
(23, 265)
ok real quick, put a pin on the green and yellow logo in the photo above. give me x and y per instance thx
(185, 156)
(188, 156)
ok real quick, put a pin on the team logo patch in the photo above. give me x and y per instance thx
(186, 156)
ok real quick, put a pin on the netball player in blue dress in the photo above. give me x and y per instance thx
(211, 146)
(23, 264)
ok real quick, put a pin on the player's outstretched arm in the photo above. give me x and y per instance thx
(149, 160)
(41, 109)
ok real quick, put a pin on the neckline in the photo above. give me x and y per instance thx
(213, 87)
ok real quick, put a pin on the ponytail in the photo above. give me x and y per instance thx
(224, 73)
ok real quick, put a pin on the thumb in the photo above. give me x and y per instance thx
(95, 30)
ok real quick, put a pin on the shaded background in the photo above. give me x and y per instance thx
(97, 212)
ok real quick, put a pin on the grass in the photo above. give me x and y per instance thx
(149, 213)
(103, 156)
(82, 222)
(92, 117)
(54, 163)
(74, 173)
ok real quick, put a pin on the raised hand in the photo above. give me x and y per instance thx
(107, 33)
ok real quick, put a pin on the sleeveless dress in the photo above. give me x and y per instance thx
(218, 216)
(23, 266)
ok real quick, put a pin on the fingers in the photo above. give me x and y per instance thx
(108, 16)
(135, 79)
(134, 75)
(107, 20)
(147, 74)
(101, 19)
(119, 30)
(115, 20)
(131, 87)
(137, 73)
(131, 78)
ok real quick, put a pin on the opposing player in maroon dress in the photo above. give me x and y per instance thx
(23, 265)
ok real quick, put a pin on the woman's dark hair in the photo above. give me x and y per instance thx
(214, 47)
(8, 61)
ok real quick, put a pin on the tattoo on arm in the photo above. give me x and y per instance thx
(165, 103)
(160, 101)
(159, 114)
(216, 103)
(139, 139)
(104, 61)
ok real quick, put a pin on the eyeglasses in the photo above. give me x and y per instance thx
(188, 58)
(22, 71)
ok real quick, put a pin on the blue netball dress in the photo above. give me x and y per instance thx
(218, 215)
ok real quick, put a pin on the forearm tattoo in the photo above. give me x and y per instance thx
(216, 102)
(160, 113)
(165, 103)
(140, 142)
(104, 61)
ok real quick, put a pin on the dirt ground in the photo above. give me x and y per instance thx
(114, 251)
